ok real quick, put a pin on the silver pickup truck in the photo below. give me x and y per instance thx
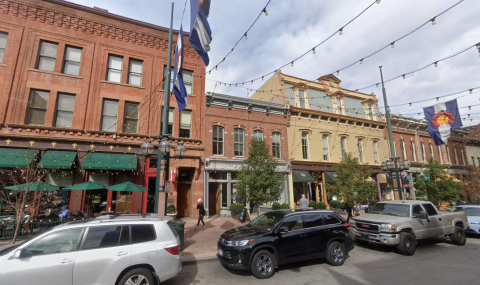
(401, 223)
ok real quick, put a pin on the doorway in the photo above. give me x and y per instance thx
(213, 198)
(151, 194)
(183, 200)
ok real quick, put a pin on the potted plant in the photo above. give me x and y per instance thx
(172, 212)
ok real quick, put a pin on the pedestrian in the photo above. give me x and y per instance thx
(201, 213)
(64, 214)
(26, 219)
(348, 208)
(303, 202)
(79, 214)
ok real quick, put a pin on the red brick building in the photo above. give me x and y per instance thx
(83, 85)
(230, 123)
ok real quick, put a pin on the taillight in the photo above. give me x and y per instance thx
(347, 226)
(174, 250)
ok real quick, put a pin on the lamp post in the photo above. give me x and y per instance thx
(396, 165)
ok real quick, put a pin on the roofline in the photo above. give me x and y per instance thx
(246, 100)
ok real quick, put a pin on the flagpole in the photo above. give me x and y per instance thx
(163, 158)
(390, 137)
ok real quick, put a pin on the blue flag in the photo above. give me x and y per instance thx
(200, 33)
(178, 85)
(442, 119)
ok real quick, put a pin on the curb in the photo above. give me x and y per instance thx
(198, 260)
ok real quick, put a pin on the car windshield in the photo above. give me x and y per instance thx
(468, 211)
(267, 221)
(398, 210)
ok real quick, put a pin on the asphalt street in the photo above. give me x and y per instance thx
(436, 261)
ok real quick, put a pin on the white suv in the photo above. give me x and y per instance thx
(113, 250)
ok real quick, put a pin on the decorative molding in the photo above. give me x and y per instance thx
(212, 164)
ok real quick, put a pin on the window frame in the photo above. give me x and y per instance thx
(170, 123)
(277, 154)
(304, 138)
(430, 149)
(326, 156)
(180, 124)
(360, 151)
(30, 107)
(37, 65)
(455, 155)
(413, 150)
(343, 147)
(126, 116)
(440, 154)
(301, 98)
(110, 68)
(103, 115)
(258, 132)
(375, 152)
(3, 49)
(65, 60)
(218, 142)
(130, 72)
(185, 82)
(65, 111)
(239, 143)
(403, 150)
(424, 154)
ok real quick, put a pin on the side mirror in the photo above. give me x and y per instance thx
(423, 215)
(282, 230)
(17, 254)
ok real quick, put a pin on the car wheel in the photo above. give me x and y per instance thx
(137, 276)
(407, 245)
(459, 236)
(263, 264)
(336, 253)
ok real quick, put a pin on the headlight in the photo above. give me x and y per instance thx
(387, 228)
(238, 242)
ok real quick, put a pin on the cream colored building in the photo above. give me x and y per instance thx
(326, 121)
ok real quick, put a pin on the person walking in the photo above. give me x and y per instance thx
(303, 202)
(348, 208)
(201, 214)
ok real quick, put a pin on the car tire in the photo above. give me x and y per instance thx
(459, 237)
(135, 275)
(336, 253)
(263, 264)
(407, 245)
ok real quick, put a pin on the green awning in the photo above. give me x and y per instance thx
(302, 176)
(17, 157)
(58, 159)
(110, 161)
(331, 177)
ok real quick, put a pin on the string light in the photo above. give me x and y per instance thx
(292, 64)
(223, 60)
(436, 63)
(262, 78)
(313, 50)
(340, 32)
(210, 72)
(404, 76)
(265, 12)
(469, 108)
(471, 91)
(246, 38)
(252, 81)
(392, 44)
(231, 50)
(338, 72)
(434, 22)
(410, 104)
(378, 85)
(437, 99)
(378, 1)
(361, 61)
(216, 67)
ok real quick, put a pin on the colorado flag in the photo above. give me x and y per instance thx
(178, 85)
(200, 33)
(442, 119)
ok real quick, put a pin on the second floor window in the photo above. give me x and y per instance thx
(114, 70)
(37, 107)
(402, 149)
(424, 155)
(412, 149)
(301, 98)
(339, 106)
(47, 56)
(258, 135)
(64, 111)
(464, 161)
(448, 155)
(171, 117)
(109, 115)
(3, 45)
(455, 155)
(430, 149)
(218, 139)
(239, 142)
(325, 147)
(130, 117)
(360, 150)
(135, 70)
(305, 145)
(73, 57)
(440, 154)
(185, 124)
(276, 146)
(343, 145)
(187, 80)
(375, 152)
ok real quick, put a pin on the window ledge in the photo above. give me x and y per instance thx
(122, 84)
(3, 65)
(55, 73)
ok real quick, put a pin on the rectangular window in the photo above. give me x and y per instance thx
(455, 155)
(130, 117)
(440, 154)
(375, 152)
(71, 63)
(239, 142)
(135, 70)
(3, 45)
(343, 145)
(473, 161)
(360, 150)
(218, 139)
(402, 148)
(464, 161)
(109, 115)
(64, 111)
(325, 147)
(276, 146)
(448, 155)
(171, 117)
(187, 80)
(305, 145)
(143, 233)
(37, 107)
(424, 155)
(430, 148)
(258, 135)
(185, 124)
(339, 106)
(114, 70)
(102, 237)
(412, 149)
(301, 97)
(371, 110)
(47, 56)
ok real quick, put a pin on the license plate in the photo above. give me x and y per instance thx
(220, 252)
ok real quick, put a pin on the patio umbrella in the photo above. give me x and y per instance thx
(33, 186)
(85, 186)
(127, 186)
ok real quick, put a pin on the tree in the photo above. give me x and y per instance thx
(471, 187)
(257, 180)
(352, 181)
(437, 185)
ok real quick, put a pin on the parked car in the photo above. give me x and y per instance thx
(473, 216)
(402, 223)
(120, 250)
(279, 237)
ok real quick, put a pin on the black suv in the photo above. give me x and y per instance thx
(279, 237)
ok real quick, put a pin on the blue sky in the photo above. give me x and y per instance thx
(293, 27)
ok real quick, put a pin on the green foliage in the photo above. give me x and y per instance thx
(275, 206)
(312, 204)
(372, 202)
(236, 209)
(171, 209)
(284, 206)
(352, 184)
(321, 206)
(437, 186)
(257, 180)
(335, 204)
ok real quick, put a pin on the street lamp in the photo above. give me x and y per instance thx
(180, 150)
(395, 165)
(146, 148)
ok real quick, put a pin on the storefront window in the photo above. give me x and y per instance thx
(224, 191)
(54, 200)
(219, 175)
(122, 201)
(152, 163)
(96, 200)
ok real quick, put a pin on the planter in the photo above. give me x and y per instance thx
(173, 216)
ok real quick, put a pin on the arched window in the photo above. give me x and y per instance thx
(402, 149)
(305, 145)
(449, 160)
(239, 142)
(360, 150)
(440, 154)
(276, 146)
(325, 147)
(414, 153)
(455, 155)
(258, 135)
(218, 140)
(430, 148)
(343, 145)
(375, 152)
(424, 155)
